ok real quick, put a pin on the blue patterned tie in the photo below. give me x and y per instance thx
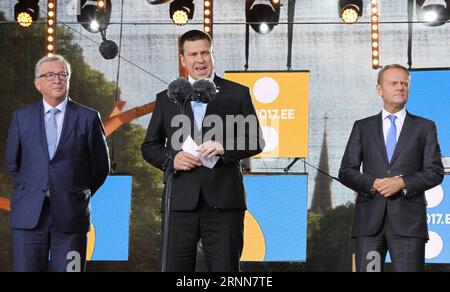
(199, 113)
(51, 131)
(391, 139)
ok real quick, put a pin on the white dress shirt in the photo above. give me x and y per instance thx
(398, 122)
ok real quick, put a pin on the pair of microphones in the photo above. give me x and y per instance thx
(181, 91)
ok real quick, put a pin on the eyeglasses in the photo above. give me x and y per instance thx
(51, 76)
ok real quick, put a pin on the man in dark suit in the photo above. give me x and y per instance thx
(207, 203)
(57, 154)
(401, 159)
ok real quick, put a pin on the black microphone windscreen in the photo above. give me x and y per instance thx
(179, 90)
(204, 90)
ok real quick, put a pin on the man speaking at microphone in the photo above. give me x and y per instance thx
(207, 203)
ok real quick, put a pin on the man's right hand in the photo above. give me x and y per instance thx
(186, 161)
(376, 184)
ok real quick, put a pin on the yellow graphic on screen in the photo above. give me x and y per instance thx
(91, 243)
(281, 100)
(254, 242)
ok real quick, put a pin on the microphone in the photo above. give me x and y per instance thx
(204, 91)
(180, 91)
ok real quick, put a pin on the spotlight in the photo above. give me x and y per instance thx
(95, 15)
(26, 11)
(262, 16)
(181, 11)
(350, 10)
(94, 25)
(433, 12)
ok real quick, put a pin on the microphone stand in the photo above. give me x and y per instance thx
(168, 177)
(169, 172)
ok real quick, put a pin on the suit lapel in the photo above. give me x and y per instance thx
(39, 125)
(408, 126)
(213, 104)
(379, 136)
(70, 119)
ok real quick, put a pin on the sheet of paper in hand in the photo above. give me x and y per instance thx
(191, 147)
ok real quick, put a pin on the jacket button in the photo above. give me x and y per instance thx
(389, 171)
(50, 166)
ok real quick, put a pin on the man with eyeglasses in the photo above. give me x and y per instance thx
(57, 154)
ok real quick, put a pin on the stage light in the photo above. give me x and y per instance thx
(208, 16)
(95, 15)
(26, 11)
(24, 19)
(375, 35)
(181, 11)
(264, 28)
(263, 16)
(94, 25)
(433, 12)
(350, 10)
(51, 27)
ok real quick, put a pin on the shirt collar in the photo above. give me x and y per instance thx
(400, 115)
(211, 78)
(62, 106)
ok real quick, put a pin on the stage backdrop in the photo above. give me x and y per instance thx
(281, 100)
(275, 223)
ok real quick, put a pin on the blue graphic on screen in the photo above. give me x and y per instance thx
(430, 98)
(439, 224)
(111, 219)
(437, 249)
(279, 205)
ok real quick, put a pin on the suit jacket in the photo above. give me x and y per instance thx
(417, 157)
(77, 170)
(222, 186)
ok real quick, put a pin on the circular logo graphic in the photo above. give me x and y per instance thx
(254, 241)
(266, 90)
(271, 138)
(434, 246)
(434, 196)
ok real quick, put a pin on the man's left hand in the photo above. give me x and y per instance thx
(390, 186)
(210, 149)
